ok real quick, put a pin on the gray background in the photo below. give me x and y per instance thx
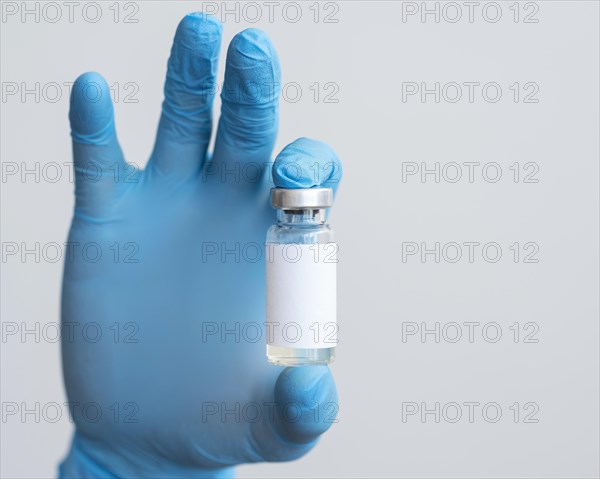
(369, 53)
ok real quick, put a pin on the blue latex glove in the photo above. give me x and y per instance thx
(160, 393)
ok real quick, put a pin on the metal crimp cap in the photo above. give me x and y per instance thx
(292, 199)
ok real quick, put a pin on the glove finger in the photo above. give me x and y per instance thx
(250, 106)
(306, 406)
(98, 160)
(305, 163)
(186, 121)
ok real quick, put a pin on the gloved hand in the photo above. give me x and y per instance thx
(162, 291)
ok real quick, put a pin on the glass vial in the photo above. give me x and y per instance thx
(301, 257)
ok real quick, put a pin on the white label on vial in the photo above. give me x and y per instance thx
(301, 295)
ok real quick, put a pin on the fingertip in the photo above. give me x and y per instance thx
(197, 29)
(307, 163)
(250, 46)
(252, 74)
(308, 402)
(91, 110)
(193, 62)
(298, 382)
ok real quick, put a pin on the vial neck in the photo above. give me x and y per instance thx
(301, 217)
